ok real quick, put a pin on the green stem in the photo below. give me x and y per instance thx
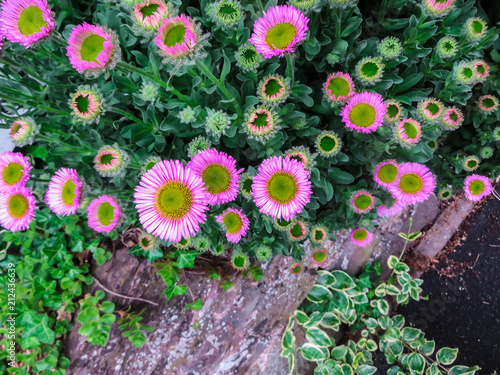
(39, 179)
(382, 11)
(36, 106)
(127, 67)
(259, 4)
(128, 115)
(338, 25)
(404, 247)
(220, 85)
(31, 73)
(71, 147)
(290, 68)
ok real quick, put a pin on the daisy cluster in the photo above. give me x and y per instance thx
(193, 188)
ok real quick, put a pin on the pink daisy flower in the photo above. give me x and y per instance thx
(338, 87)
(396, 208)
(110, 161)
(386, 173)
(14, 171)
(364, 112)
(408, 132)
(261, 123)
(92, 48)
(281, 187)
(279, 30)
(218, 172)
(439, 8)
(319, 257)
(477, 187)
(26, 21)
(64, 192)
(430, 110)
(149, 14)
(318, 234)
(482, 69)
(235, 222)
(104, 214)
(452, 119)
(296, 268)
(17, 208)
(488, 103)
(273, 89)
(414, 184)
(298, 231)
(87, 104)
(361, 237)
(22, 131)
(394, 110)
(362, 201)
(171, 201)
(177, 36)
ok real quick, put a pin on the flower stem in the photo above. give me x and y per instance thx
(259, 4)
(382, 11)
(220, 85)
(36, 106)
(85, 150)
(338, 25)
(128, 115)
(39, 179)
(290, 68)
(31, 73)
(123, 66)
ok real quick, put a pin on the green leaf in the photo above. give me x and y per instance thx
(383, 306)
(433, 370)
(410, 334)
(107, 307)
(428, 347)
(314, 353)
(196, 305)
(413, 236)
(464, 370)
(186, 258)
(447, 355)
(392, 261)
(301, 316)
(416, 362)
(318, 337)
(342, 281)
(37, 325)
(325, 278)
(341, 177)
(366, 370)
(175, 290)
(330, 320)
(319, 293)
(288, 340)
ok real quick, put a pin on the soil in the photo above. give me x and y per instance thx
(463, 286)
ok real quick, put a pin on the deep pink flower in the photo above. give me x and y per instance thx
(64, 192)
(281, 187)
(218, 172)
(477, 187)
(414, 184)
(361, 237)
(14, 171)
(364, 112)
(104, 214)
(17, 208)
(171, 201)
(235, 222)
(25, 21)
(279, 30)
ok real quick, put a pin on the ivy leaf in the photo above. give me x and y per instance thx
(37, 325)
(175, 290)
(186, 259)
(196, 305)
(366, 370)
